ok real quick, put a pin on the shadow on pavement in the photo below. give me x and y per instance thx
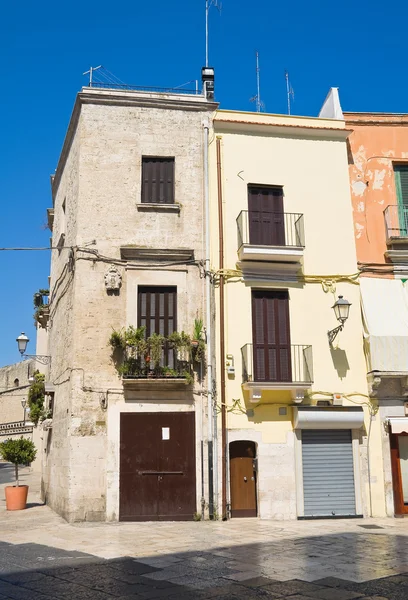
(37, 572)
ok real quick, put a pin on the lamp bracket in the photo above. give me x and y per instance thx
(41, 358)
(332, 334)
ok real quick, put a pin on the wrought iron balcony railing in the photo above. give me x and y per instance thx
(396, 222)
(172, 364)
(293, 364)
(260, 228)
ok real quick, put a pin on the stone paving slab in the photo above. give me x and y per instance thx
(43, 557)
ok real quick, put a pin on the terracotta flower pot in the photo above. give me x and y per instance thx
(16, 497)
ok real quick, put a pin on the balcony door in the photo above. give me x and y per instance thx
(265, 216)
(157, 312)
(271, 336)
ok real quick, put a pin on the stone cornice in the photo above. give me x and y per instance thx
(179, 255)
(280, 129)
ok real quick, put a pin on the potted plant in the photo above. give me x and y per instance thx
(197, 332)
(18, 452)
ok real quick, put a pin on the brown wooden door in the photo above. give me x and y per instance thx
(399, 459)
(265, 216)
(157, 466)
(271, 336)
(243, 479)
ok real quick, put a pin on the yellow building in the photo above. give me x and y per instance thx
(298, 435)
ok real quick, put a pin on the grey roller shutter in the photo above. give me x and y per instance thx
(328, 473)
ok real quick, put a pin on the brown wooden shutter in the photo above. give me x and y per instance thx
(157, 309)
(265, 216)
(157, 180)
(271, 336)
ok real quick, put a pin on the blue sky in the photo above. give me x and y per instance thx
(45, 47)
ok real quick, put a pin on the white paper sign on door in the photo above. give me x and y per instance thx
(165, 433)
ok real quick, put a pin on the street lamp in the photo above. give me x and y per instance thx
(23, 404)
(22, 342)
(341, 309)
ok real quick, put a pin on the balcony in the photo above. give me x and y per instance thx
(280, 369)
(396, 230)
(270, 236)
(173, 371)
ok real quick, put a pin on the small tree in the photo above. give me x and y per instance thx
(18, 452)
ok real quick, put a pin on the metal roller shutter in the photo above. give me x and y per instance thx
(328, 473)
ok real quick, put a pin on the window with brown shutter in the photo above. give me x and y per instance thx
(271, 336)
(157, 311)
(157, 180)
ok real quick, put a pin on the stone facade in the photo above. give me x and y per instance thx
(14, 387)
(98, 214)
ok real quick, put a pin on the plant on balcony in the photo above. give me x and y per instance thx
(41, 307)
(36, 398)
(181, 342)
(136, 357)
(198, 344)
(155, 351)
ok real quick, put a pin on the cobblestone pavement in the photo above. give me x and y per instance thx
(43, 557)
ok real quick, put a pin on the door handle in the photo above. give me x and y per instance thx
(245, 479)
(161, 472)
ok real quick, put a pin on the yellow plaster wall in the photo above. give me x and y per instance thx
(314, 174)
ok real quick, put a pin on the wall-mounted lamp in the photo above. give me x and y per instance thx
(22, 342)
(341, 309)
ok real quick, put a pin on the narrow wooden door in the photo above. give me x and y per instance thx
(271, 336)
(265, 216)
(399, 466)
(157, 466)
(243, 479)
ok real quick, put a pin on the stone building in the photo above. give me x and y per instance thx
(128, 223)
(15, 381)
(14, 387)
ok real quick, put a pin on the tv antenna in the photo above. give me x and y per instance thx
(208, 5)
(91, 72)
(103, 77)
(289, 91)
(257, 99)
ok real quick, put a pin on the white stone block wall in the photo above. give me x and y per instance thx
(99, 179)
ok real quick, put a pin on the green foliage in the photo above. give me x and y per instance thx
(18, 452)
(36, 397)
(40, 306)
(198, 329)
(188, 377)
(199, 352)
(116, 340)
(155, 343)
(197, 516)
(135, 336)
(135, 356)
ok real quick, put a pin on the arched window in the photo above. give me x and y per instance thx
(16, 382)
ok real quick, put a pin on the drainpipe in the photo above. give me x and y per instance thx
(222, 337)
(208, 328)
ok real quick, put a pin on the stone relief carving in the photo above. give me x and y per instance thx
(113, 279)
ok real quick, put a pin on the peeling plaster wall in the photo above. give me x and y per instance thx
(376, 141)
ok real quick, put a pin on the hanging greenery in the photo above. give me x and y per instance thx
(36, 397)
(41, 306)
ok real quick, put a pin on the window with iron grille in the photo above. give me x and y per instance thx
(157, 180)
